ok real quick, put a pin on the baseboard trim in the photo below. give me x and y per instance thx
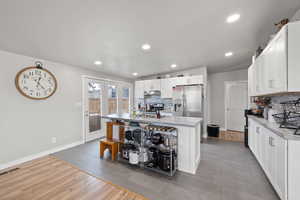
(38, 155)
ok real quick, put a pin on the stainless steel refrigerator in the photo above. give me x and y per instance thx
(188, 100)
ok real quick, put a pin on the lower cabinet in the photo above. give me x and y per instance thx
(270, 151)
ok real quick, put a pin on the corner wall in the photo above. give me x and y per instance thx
(27, 126)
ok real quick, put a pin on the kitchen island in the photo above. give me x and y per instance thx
(189, 136)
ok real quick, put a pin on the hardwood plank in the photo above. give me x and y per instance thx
(51, 178)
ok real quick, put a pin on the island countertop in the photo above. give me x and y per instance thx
(166, 120)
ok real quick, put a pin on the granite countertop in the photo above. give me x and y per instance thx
(166, 120)
(274, 127)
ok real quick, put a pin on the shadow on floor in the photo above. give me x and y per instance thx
(227, 171)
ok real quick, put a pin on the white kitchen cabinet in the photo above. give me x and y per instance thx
(277, 69)
(277, 163)
(275, 66)
(194, 80)
(251, 81)
(259, 75)
(166, 88)
(270, 151)
(281, 166)
(188, 80)
(251, 131)
(139, 89)
(152, 85)
(293, 56)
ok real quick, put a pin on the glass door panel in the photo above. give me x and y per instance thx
(125, 100)
(112, 99)
(94, 101)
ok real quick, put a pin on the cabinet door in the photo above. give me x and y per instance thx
(264, 142)
(166, 88)
(280, 146)
(251, 82)
(293, 56)
(155, 84)
(276, 65)
(152, 85)
(139, 89)
(181, 80)
(271, 158)
(251, 134)
(147, 86)
(279, 84)
(259, 75)
(258, 143)
(192, 80)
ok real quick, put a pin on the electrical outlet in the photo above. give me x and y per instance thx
(53, 140)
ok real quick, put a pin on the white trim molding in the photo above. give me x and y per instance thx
(38, 155)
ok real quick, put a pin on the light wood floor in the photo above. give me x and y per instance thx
(234, 136)
(50, 178)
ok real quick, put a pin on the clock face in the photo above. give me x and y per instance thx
(36, 83)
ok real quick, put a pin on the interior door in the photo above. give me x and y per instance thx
(236, 103)
(93, 107)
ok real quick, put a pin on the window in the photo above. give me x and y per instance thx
(112, 99)
(125, 100)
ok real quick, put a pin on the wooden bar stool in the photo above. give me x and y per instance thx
(109, 142)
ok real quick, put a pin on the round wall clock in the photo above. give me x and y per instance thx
(36, 83)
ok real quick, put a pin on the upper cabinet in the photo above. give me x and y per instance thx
(165, 85)
(167, 88)
(152, 85)
(276, 69)
(139, 89)
(293, 56)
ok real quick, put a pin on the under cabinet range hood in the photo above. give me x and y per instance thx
(152, 93)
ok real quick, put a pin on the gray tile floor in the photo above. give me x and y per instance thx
(227, 171)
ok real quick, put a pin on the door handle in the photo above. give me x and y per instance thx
(272, 143)
(86, 113)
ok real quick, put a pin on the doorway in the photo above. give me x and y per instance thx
(236, 101)
(93, 91)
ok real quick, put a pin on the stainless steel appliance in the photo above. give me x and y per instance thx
(188, 101)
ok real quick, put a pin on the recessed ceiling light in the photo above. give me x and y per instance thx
(233, 18)
(146, 47)
(135, 74)
(228, 54)
(173, 65)
(98, 62)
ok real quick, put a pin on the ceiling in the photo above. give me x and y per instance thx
(189, 33)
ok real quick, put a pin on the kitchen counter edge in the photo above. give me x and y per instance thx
(164, 121)
(287, 134)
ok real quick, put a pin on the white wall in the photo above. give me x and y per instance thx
(217, 93)
(27, 126)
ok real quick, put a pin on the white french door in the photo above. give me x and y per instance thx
(93, 101)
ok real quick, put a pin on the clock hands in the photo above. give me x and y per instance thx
(38, 83)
